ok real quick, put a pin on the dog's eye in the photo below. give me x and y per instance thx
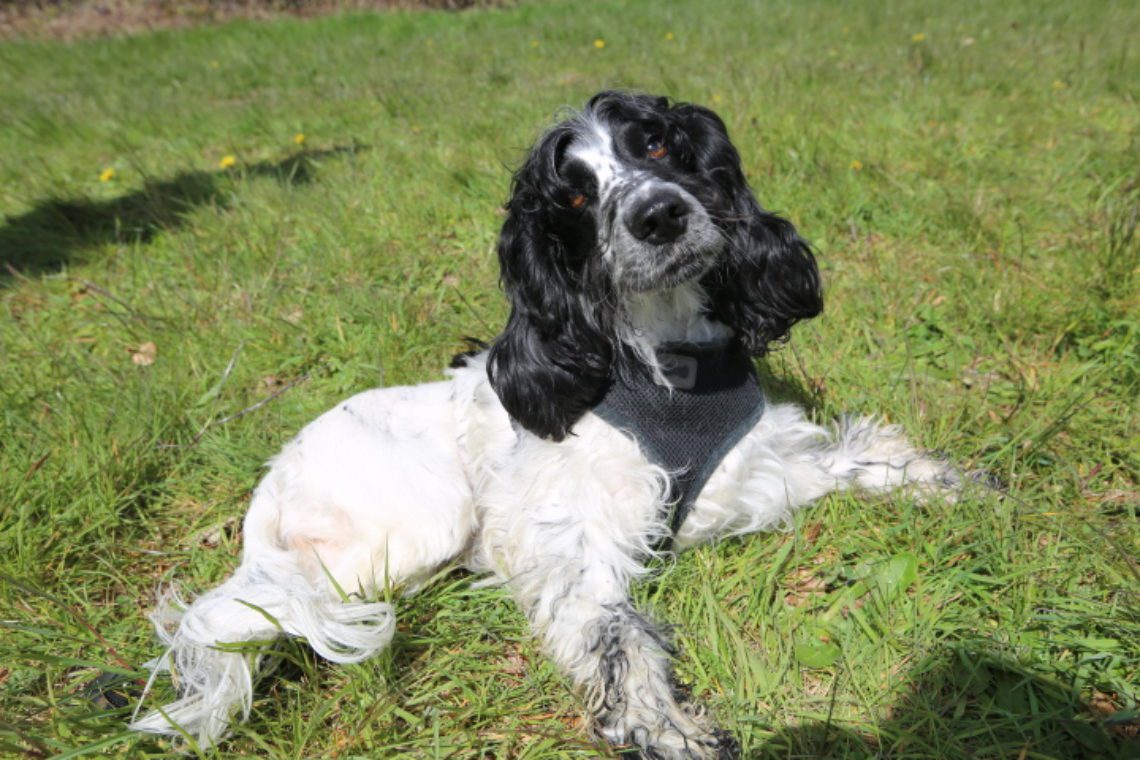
(656, 149)
(578, 200)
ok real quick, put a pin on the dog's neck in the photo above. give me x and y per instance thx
(677, 315)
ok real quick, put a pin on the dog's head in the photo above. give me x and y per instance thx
(632, 196)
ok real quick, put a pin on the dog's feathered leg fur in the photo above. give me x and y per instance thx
(568, 554)
(787, 462)
(270, 595)
(630, 227)
(336, 519)
(215, 676)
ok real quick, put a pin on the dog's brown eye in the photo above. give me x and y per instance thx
(656, 149)
(578, 201)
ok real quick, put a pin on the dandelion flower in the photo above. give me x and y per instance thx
(599, 43)
(299, 138)
(917, 37)
(107, 175)
(668, 36)
(1059, 85)
(227, 162)
(534, 43)
(856, 165)
(716, 98)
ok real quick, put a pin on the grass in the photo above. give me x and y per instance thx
(969, 173)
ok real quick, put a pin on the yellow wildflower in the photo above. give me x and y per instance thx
(599, 43)
(716, 98)
(669, 36)
(227, 162)
(299, 138)
(1059, 85)
(856, 165)
(534, 43)
(917, 37)
(107, 175)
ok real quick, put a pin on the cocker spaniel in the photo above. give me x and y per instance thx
(617, 416)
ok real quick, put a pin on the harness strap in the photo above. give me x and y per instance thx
(713, 400)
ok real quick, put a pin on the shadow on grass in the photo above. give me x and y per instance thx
(57, 230)
(965, 703)
(961, 703)
(784, 387)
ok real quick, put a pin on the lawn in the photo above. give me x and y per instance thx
(210, 235)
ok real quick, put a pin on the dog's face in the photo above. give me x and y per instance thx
(631, 175)
(632, 196)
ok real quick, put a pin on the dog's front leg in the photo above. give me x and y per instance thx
(786, 462)
(617, 658)
(568, 542)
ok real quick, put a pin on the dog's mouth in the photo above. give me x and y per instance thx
(647, 263)
(664, 269)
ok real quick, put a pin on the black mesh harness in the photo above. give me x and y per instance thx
(687, 430)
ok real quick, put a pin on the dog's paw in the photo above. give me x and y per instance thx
(932, 478)
(719, 745)
(675, 733)
(728, 748)
(986, 480)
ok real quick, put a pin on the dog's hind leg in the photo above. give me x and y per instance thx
(368, 497)
(212, 645)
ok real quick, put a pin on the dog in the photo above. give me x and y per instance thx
(616, 417)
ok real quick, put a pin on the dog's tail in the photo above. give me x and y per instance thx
(215, 646)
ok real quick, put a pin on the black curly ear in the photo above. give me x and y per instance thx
(552, 362)
(767, 279)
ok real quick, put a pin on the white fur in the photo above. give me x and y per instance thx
(380, 491)
(388, 486)
(623, 187)
(677, 315)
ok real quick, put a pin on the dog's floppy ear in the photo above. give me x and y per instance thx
(767, 279)
(552, 362)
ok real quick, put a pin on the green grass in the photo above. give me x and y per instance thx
(973, 195)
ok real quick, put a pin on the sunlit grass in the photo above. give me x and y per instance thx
(211, 235)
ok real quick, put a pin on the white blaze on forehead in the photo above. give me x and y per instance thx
(595, 148)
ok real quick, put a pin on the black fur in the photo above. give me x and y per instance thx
(767, 279)
(558, 353)
(552, 362)
(612, 643)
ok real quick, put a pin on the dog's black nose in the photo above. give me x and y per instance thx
(659, 219)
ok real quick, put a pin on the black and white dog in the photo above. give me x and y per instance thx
(643, 276)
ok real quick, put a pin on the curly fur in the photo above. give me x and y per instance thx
(630, 225)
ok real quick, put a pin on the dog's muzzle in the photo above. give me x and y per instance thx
(661, 236)
(659, 219)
